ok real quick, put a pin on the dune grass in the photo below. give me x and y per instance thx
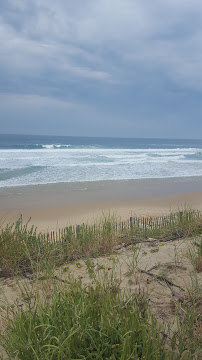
(96, 322)
(99, 321)
(69, 319)
(195, 253)
(20, 249)
(23, 249)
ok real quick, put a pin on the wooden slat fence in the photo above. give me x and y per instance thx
(132, 224)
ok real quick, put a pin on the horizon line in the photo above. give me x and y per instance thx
(101, 137)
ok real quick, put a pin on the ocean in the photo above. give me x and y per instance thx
(31, 160)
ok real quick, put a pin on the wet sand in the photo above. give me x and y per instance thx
(55, 205)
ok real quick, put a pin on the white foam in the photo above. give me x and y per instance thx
(48, 146)
(67, 165)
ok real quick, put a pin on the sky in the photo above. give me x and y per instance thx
(121, 68)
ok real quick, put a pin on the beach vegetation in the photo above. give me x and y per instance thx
(23, 249)
(195, 253)
(73, 304)
(101, 320)
(94, 322)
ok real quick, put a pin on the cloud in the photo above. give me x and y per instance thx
(26, 55)
(83, 38)
(112, 55)
(24, 101)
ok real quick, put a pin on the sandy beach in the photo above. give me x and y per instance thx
(52, 206)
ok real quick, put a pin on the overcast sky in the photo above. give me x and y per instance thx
(130, 68)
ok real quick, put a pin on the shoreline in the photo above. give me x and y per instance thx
(52, 206)
(72, 184)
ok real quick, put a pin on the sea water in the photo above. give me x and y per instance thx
(30, 160)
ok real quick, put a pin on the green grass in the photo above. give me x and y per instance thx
(18, 249)
(23, 249)
(183, 223)
(70, 320)
(186, 341)
(99, 322)
(195, 254)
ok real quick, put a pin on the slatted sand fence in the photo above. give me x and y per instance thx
(143, 226)
(160, 222)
